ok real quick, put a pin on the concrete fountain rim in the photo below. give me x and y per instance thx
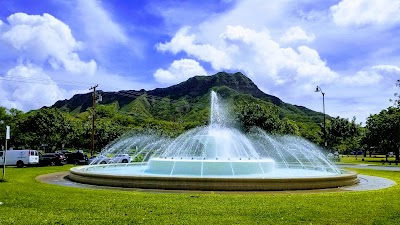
(347, 178)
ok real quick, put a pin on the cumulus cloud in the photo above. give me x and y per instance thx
(38, 51)
(255, 53)
(363, 78)
(373, 75)
(178, 71)
(365, 12)
(183, 41)
(287, 49)
(295, 35)
(36, 90)
(40, 39)
(388, 69)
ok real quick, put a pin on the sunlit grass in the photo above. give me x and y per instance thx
(374, 160)
(27, 201)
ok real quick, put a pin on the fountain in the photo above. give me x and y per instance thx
(216, 157)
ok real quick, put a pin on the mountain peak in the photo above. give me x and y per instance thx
(200, 85)
(190, 89)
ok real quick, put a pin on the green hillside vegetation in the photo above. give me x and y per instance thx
(168, 111)
(138, 107)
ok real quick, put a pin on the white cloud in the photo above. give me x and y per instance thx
(287, 56)
(36, 89)
(179, 42)
(41, 39)
(98, 23)
(42, 63)
(255, 53)
(363, 78)
(178, 71)
(296, 34)
(364, 12)
(387, 69)
(183, 41)
(373, 76)
(103, 34)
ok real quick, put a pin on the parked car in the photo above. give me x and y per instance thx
(121, 158)
(52, 159)
(98, 159)
(76, 158)
(64, 152)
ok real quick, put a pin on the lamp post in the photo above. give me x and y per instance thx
(4, 152)
(318, 89)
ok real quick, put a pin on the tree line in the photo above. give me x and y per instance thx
(56, 128)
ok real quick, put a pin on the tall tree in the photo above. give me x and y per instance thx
(343, 135)
(383, 131)
(43, 126)
(261, 115)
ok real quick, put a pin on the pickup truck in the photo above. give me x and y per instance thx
(76, 158)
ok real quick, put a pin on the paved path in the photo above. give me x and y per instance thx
(366, 183)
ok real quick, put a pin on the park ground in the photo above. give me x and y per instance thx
(24, 200)
(371, 160)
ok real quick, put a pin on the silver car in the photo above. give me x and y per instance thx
(98, 159)
(121, 158)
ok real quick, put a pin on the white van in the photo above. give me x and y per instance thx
(20, 158)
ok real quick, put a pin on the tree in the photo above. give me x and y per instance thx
(252, 114)
(289, 127)
(10, 118)
(383, 131)
(343, 135)
(43, 126)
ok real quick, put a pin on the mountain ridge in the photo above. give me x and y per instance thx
(189, 90)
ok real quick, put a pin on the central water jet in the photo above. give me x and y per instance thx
(217, 157)
(215, 150)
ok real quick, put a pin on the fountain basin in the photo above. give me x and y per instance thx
(208, 167)
(106, 175)
(217, 157)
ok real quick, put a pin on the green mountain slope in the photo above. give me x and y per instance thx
(188, 103)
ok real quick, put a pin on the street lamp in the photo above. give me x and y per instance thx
(318, 89)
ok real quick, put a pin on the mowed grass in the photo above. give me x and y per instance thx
(27, 201)
(374, 160)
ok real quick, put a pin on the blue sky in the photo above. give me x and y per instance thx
(350, 48)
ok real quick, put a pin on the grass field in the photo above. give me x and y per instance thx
(375, 159)
(27, 201)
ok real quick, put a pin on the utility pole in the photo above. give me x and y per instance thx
(93, 116)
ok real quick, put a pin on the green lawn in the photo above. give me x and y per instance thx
(27, 201)
(375, 160)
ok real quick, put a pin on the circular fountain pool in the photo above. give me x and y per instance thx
(216, 157)
(132, 176)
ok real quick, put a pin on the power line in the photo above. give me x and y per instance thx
(17, 100)
(44, 81)
(126, 93)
